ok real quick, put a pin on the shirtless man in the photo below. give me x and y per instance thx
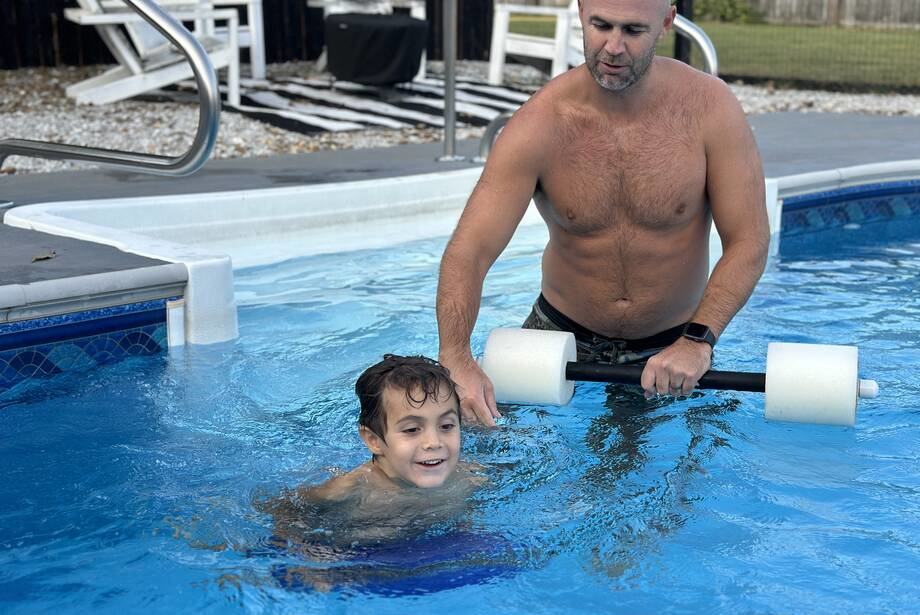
(628, 157)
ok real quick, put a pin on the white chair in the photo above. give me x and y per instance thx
(376, 7)
(251, 36)
(147, 62)
(566, 48)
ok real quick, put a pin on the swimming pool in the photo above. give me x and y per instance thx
(132, 486)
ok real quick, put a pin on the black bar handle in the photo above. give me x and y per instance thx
(631, 374)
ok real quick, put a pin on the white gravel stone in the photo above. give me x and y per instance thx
(33, 106)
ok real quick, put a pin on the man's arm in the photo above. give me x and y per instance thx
(735, 188)
(490, 218)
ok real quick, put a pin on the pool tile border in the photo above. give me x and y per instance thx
(855, 205)
(80, 340)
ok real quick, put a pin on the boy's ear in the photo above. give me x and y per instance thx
(372, 441)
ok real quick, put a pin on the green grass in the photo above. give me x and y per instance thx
(832, 56)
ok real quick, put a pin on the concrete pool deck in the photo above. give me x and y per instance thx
(790, 143)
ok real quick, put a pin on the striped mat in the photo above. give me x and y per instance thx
(318, 104)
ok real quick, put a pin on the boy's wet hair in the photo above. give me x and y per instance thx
(420, 377)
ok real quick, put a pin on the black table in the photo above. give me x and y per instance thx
(375, 49)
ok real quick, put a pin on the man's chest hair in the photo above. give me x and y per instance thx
(654, 180)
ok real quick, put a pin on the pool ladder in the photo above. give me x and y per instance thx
(208, 115)
(682, 26)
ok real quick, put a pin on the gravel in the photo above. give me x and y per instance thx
(33, 106)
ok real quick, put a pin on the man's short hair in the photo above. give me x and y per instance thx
(420, 377)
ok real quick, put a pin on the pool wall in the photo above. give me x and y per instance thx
(209, 234)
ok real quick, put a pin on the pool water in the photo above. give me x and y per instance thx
(132, 487)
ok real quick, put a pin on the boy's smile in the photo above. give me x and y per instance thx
(422, 442)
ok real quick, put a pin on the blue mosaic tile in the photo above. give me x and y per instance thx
(69, 357)
(104, 349)
(877, 209)
(82, 340)
(807, 213)
(794, 220)
(161, 337)
(833, 215)
(48, 359)
(138, 342)
(31, 362)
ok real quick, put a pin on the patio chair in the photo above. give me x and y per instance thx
(147, 62)
(566, 48)
(416, 9)
(251, 35)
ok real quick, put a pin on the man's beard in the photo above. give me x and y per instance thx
(637, 69)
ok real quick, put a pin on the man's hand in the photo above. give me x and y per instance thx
(676, 369)
(477, 397)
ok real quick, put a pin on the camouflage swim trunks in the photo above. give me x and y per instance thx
(593, 347)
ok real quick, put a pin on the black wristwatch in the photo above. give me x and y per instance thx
(699, 333)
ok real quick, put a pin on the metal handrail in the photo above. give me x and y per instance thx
(488, 137)
(682, 26)
(688, 29)
(208, 116)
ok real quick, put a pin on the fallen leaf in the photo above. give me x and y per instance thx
(46, 256)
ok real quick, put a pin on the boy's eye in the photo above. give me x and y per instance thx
(410, 430)
(447, 426)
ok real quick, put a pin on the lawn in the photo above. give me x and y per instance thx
(833, 56)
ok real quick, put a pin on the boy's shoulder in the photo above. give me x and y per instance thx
(339, 488)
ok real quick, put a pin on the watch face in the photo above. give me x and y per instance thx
(696, 330)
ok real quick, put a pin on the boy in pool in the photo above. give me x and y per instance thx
(410, 422)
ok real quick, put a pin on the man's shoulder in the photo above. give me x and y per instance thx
(558, 92)
(556, 100)
(533, 125)
(693, 90)
(679, 75)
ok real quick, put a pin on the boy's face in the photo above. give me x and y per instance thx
(422, 443)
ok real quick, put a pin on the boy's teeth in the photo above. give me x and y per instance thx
(430, 463)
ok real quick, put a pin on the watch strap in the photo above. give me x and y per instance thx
(699, 332)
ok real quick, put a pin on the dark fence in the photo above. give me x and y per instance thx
(35, 33)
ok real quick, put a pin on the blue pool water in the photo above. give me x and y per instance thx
(132, 487)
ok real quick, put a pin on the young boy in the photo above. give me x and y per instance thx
(410, 422)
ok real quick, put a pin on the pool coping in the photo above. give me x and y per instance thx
(50, 297)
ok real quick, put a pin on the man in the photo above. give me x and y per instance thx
(628, 158)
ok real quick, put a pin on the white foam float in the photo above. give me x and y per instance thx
(805, 383)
